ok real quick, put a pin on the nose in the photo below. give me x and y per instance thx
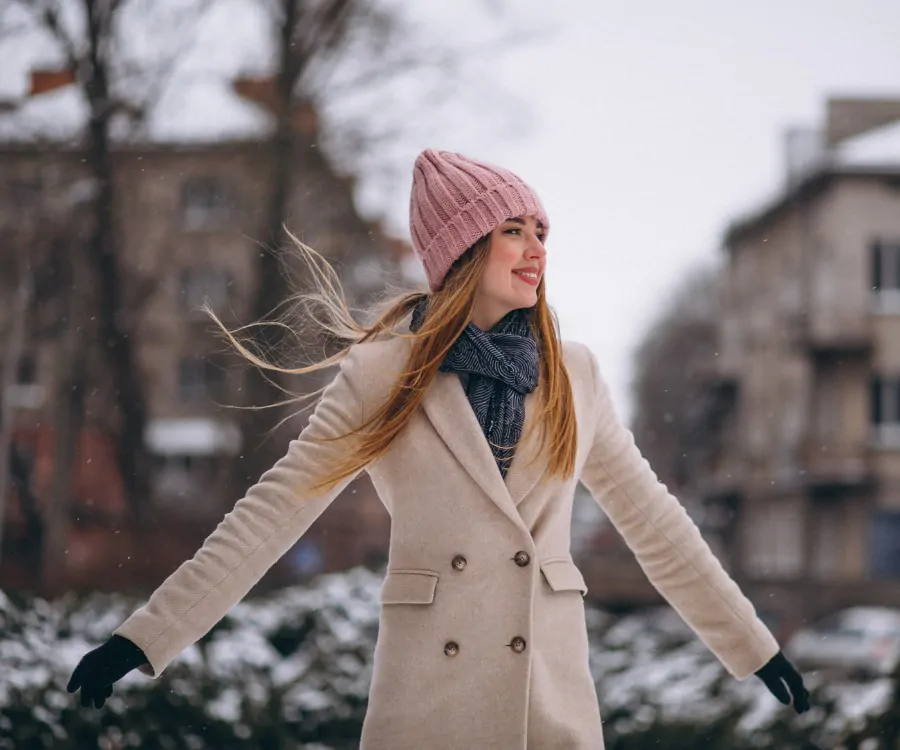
(536, 249)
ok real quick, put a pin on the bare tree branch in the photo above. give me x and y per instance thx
(49, 17)
(11, 28)
(439, 60)
(113, 82)
(156, 84)
(673, 420)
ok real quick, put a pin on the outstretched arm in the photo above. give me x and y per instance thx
(668, 545)
(263, 525)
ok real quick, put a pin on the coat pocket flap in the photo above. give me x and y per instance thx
(563, 575)
(409, 587)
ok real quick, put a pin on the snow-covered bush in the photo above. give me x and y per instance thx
(292, 671)
(282, 672)
(660, 687)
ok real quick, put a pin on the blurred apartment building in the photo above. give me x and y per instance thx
(190, 214)
(804, 499)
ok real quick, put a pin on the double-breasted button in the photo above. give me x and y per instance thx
(517, 644)
(451, 648)
(522, 558)
(458, 562)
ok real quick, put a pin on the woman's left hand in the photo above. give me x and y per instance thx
(779, 672)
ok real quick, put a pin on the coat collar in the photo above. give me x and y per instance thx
(449, 411)
(447, 407)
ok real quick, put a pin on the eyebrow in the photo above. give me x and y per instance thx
(517, 220)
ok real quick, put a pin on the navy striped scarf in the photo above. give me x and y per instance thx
(503, 367)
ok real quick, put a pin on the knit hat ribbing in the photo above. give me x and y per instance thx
(455, 201)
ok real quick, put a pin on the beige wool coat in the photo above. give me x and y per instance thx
(482, 641)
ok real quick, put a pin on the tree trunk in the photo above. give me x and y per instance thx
(69, 420)
(67, 425)
(34, 523)
(10, 368)
(271, 286)
(102, 252)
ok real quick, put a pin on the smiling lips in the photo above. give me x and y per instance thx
(530, 279)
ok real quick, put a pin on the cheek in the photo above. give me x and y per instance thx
(494, 281)
(505, 258)
(501, 275)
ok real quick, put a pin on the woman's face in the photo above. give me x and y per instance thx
(516, 245)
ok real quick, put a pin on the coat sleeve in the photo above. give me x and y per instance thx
(262, 526)
(668, 545)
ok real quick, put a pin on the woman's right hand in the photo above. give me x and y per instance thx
(100, 668)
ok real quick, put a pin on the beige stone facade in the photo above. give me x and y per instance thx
(189, 217)
(807, 484)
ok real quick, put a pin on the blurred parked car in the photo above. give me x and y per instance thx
(860, 639)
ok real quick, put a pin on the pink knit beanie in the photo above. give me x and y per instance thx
(456, 201)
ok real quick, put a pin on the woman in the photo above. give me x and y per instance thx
(482, 641)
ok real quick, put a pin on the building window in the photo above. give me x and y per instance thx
(26, 370)
(772, 536)
(200, 380)
(206, 203)
(205, 283)
(829, 528)
(25, 392)
(884, 410)
(885, 544)
(827, 406)
(885, 275)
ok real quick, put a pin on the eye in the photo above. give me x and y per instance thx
(512, 229)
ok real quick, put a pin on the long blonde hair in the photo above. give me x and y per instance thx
(449, 311)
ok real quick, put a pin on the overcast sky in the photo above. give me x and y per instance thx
(653, 125)
(646, 126)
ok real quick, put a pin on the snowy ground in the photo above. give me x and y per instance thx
(298, 665)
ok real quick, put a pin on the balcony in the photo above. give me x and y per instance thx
(723, 484)
(885, 436)
(829, 337)
(835, 465)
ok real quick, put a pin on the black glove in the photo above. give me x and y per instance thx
(100, 668)
(778, 669)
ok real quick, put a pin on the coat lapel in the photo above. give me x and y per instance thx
(448, 409)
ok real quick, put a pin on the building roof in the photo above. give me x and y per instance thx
(197, 101)
(218, 95)
(875, 153)
(879, 148)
